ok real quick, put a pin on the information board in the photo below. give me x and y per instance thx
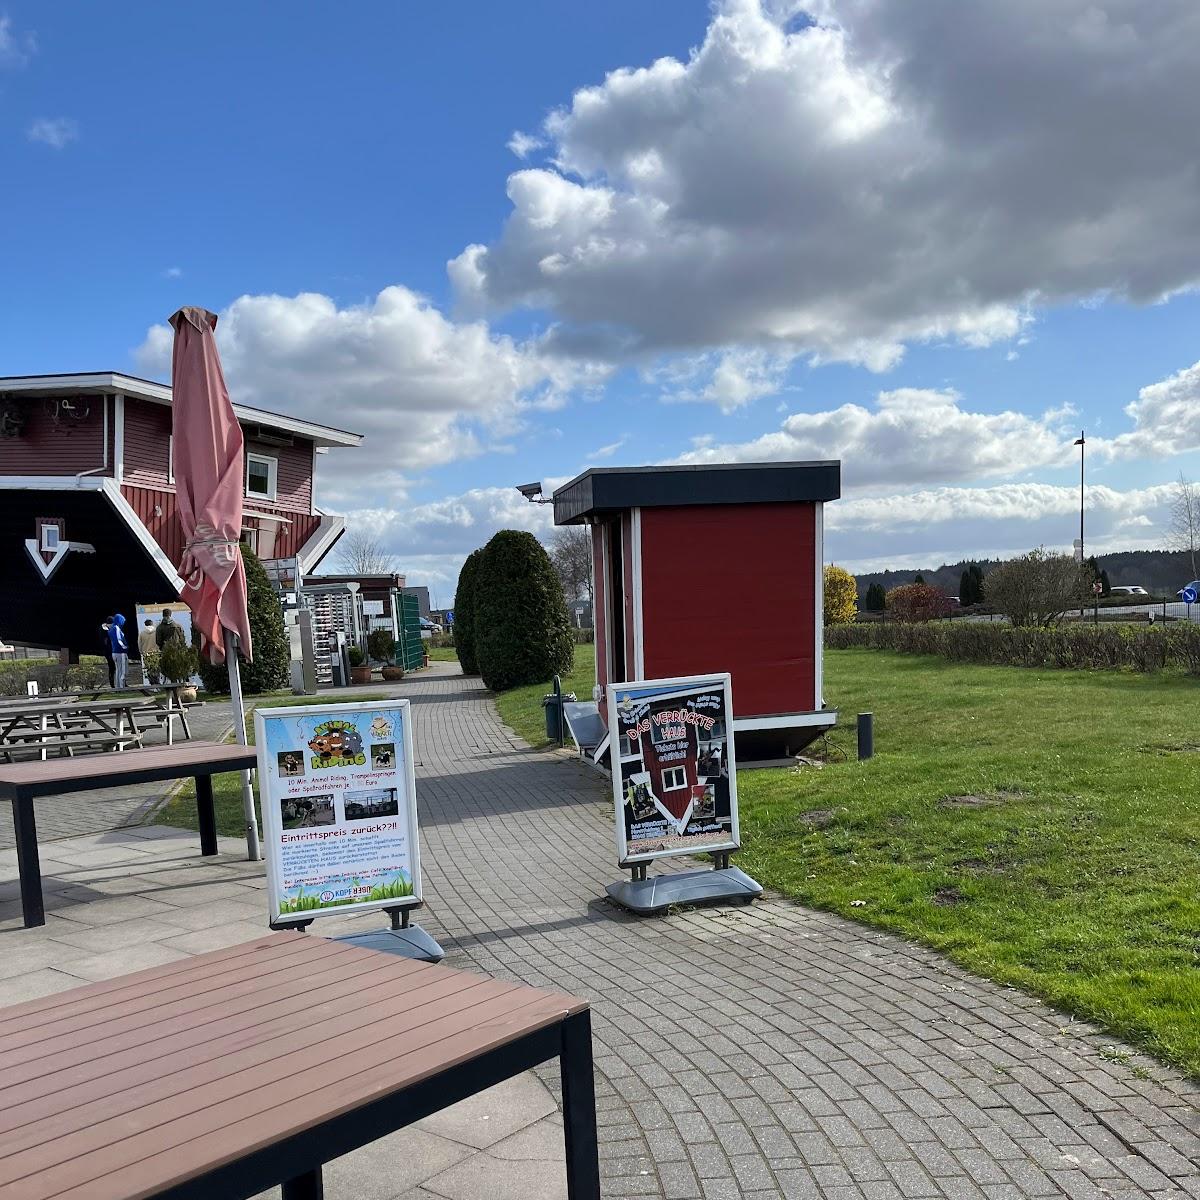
(674, 773)
(339, 808)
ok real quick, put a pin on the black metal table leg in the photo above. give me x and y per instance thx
(305, 1187)
(579, 1108)
(207, 814)
(28, 865)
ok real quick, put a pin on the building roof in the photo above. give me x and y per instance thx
(112, 382)
(612, 489)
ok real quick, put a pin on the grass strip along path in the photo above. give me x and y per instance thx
(1041, 828)
(180, 808)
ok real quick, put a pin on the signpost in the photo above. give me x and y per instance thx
(675, 789)
(449, 616)
(339, 808)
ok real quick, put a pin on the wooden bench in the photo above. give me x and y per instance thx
(229, 1073)
(41, 744)
(22, 783)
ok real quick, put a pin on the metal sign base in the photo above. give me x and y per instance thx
(657, 893)
(409, 942)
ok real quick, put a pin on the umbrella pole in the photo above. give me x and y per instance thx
(253, 852)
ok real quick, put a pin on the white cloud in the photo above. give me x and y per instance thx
(56, 132)
(609, 450)
(425, 390)
(524, 144)
(730, 379)
(909, 436)
(885, 174)
(926, 528)
(1166, 419)
(173, 273)
(16, 49)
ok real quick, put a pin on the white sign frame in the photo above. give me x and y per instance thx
(682, 684)
(272, 816)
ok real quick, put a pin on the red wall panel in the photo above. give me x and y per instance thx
(147, 443)
(56, 447)
(733, 588)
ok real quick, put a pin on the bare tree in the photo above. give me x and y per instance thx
(1037, 588)
(1183, 532)
(571, 554)
(361, 552)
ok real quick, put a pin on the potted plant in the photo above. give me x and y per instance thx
(382, 646)
(359, 671)
(177, 663)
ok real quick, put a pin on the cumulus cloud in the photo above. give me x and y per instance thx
(524, 144)
(882, 173)
(730, 379)
(425, 390)
(16, 48)
(1166, 419)
(908, 436)
(945, 524)
(55, 132)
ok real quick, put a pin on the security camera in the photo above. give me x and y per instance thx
(531, 491)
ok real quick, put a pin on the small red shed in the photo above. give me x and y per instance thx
(699, 569)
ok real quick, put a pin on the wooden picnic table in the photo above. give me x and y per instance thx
(45, 724)
(22, 783)
(228, 1073)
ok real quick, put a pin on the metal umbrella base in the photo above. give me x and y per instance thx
(657, 893)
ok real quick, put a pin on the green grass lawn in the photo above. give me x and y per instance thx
(1040, 828)
(443, 654)
(180, 809)
(522, 707)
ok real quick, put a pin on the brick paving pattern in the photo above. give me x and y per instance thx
(771, 1051)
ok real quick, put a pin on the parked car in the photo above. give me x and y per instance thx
(1131, 590)
(429, 628)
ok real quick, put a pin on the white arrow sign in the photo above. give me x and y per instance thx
(46, 569)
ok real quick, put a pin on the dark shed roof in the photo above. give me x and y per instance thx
(611, 489)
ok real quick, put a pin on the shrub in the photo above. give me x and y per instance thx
(381, 646)
(465, 628)
(177, 662)
(1071, 647)
(356, 656)
(917, 602)
(272, 653)
(875, 599)
(522, 634)
(841, 596)
(1037, 588)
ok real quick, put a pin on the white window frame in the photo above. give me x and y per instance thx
(674, 772)
(272, 465)
(250, 537)
(51, 537)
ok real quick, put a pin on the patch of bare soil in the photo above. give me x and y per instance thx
(982, 799)
(817, 818)
(948, 896)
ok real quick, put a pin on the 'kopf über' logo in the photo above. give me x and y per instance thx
(336, 744)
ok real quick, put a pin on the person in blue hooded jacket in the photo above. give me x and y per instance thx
(120, 650)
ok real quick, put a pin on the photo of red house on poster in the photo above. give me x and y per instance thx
(674, 776)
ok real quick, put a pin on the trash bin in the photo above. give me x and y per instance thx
(553, 703)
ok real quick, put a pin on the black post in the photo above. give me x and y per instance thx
(579, 1108)
(207, 814)
(28, 865)
(309, 1186)
(558, 704)
(866, 736)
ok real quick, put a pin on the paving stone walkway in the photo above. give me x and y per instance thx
(759, 1052)
(772, 1051)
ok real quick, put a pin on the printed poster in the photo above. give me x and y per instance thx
(339, 808)
(674, 774)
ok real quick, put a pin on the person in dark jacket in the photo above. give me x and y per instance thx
(106, 649)
(120, 650)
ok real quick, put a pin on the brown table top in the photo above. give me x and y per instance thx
(120, 1089)
(129, 766)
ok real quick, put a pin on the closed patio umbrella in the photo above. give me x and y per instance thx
(208, 453)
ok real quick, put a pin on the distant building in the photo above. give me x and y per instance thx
(88, 518)
(422, 595)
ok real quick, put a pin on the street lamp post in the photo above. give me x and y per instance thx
(1081, 442)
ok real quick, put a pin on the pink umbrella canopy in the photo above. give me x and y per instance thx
(208, 456)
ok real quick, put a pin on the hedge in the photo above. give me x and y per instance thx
(1072, 647)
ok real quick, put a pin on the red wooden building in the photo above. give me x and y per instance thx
(713, 568)
(88, 523)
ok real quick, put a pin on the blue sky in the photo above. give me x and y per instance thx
(727, 232)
